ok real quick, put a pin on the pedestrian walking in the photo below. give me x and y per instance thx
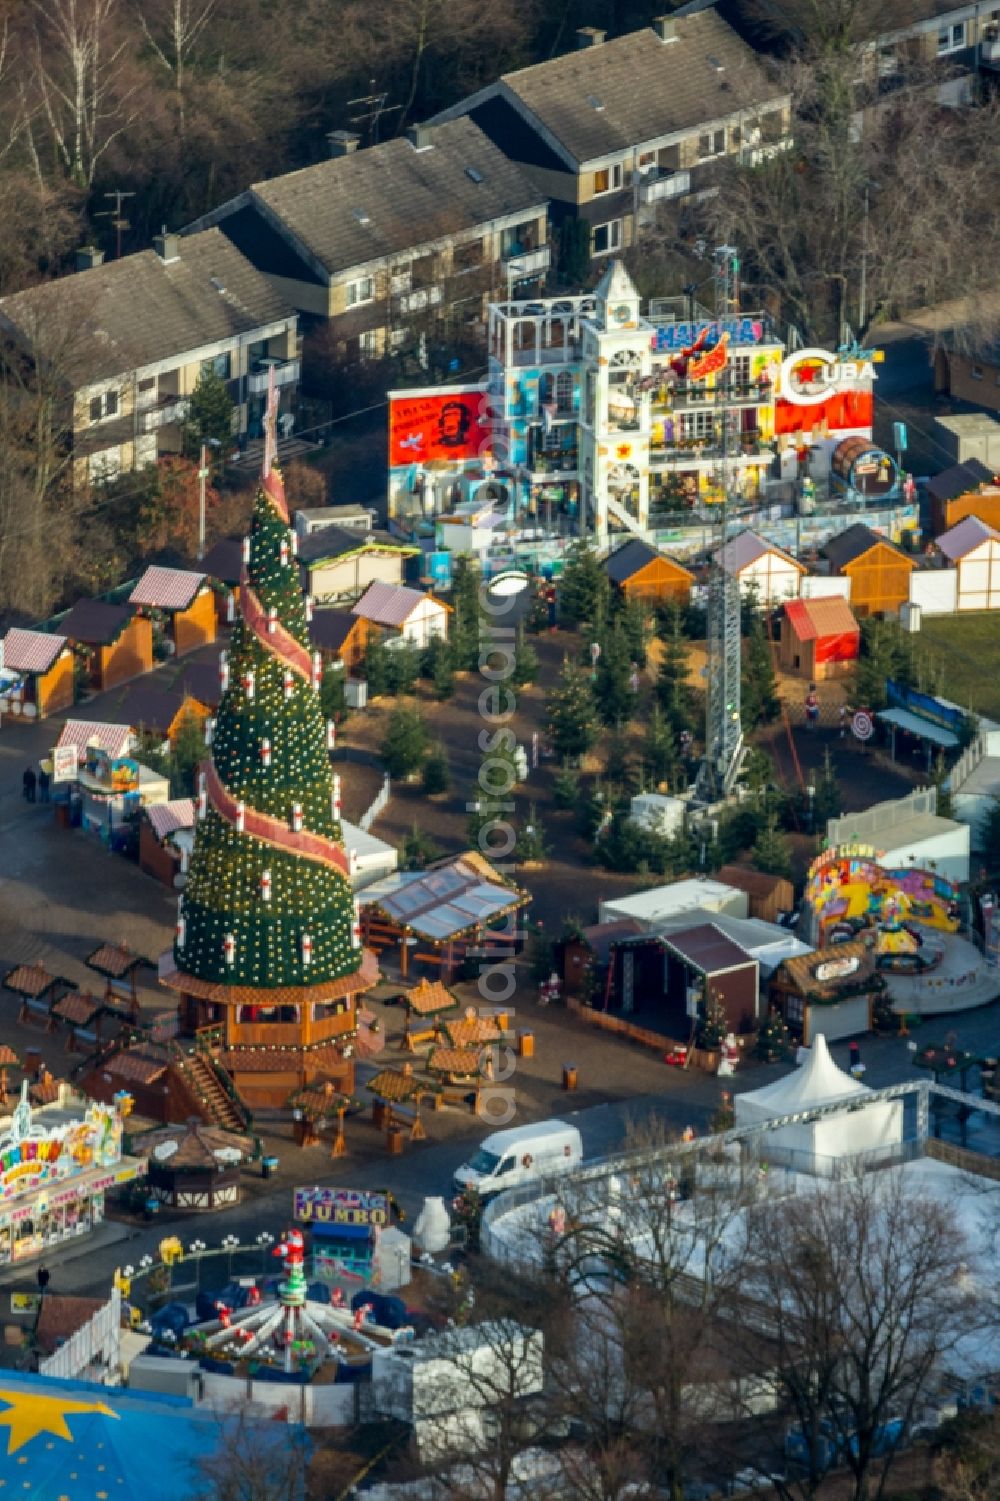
(28, 784)
(43, 786)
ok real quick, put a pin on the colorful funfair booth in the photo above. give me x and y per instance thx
(848, 891)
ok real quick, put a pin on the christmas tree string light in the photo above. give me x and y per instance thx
(268, 901)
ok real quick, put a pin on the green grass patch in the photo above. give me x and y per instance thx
(968, 649)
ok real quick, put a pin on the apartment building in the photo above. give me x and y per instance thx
(127, 342)
(943, 45)
(609, 131)
(418, 229)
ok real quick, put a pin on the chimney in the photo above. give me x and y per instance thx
(589, 36)
(167, 247)
(87, 257)
(419, 137)
(342, 142)
(665, 28)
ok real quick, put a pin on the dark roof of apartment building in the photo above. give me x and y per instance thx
(615, 94)
(127, 314)
(356, 209)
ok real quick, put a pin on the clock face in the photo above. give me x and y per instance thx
(622, 313)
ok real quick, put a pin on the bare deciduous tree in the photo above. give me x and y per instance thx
(861, 1287)
(80, 74)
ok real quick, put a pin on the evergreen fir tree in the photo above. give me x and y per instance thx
(525, 660)
(465, 617)
(659, 749)
(713, 1024)
(187, 751)
(566, 787)
(210, 415)
(672, 691)
(584, 589)
(773, 1044)
(827, 801)
(612, 689)
(439, 666)
(333, 693)
(632, 619)
(404, 668)
(759, 699)
(405, 741)
(531, 838)
(541, 954)
(436, 774)
(771, 851)
(268, 900)
(571, 712)
(376, 667)
(619, 767)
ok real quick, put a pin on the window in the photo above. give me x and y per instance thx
(951, 38)
(149, 384)
(368, 344)
(698, 426)
(362, 290)
(105, 405)
(977, 372)
(712, 143)
(607, 237)
(646, 159)
(607, 179)
(218, 365)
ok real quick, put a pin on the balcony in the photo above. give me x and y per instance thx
(654, 189)
(765, 151)
(286, 373)
(555, 464)
(165, 410)
(520, 264)
(686, 452)
(695, 396)
(989, 51)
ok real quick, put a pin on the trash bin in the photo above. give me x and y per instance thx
(62, 815)
(268, 1166)
(569, 1076)
(526, 1044)
(395, 1140)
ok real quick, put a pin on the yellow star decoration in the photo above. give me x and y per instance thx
(30, 1414)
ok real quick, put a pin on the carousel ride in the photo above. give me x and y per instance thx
(911, 918)
(292, 1333)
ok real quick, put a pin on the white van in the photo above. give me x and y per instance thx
(521, 1154)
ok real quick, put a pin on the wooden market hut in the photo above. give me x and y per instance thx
(160, 855)
(35, 988)
(585, 958)
(831, 990)
(638, 571)
(340, 636)
(183, 600)
(435, 916)
(113, 642)
(223, 564)
(818, 638)
(973, 550)
(38, 674)
(768, 896)
(968, 489)
(878, 570)
(194, 1166)
(81, 1014)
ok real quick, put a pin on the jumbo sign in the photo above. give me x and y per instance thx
(828, 374)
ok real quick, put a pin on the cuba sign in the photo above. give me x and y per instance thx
(809, 376)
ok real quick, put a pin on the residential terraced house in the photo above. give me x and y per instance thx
(128, 341)
(614, 128)
(418, 229)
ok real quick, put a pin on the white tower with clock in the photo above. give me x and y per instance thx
(615, 420)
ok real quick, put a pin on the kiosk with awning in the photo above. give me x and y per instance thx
(938, 725)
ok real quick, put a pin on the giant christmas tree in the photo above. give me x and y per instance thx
(267, 925)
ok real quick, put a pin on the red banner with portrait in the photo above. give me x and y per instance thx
(450, 423)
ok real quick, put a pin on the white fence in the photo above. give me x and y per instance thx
(96, 1343)
(370, 814)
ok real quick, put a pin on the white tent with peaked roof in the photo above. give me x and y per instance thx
(865, 1125)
